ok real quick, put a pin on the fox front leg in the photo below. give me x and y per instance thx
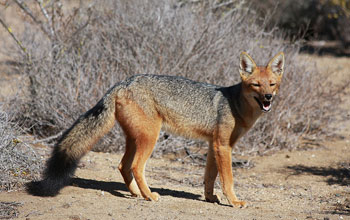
(211, 172)
(223, 161)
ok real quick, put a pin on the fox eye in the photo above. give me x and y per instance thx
(272, 84)
(255, 84)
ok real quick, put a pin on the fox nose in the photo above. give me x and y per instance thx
(268, 97)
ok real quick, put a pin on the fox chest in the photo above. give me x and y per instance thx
(230, 129)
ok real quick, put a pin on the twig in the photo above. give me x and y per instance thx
(9, 30)
(30, 13)
(46, 15)
(47, 139)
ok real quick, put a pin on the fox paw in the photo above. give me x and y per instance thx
(213, 199)
(239, 204)
(153, 197)
(135, 195)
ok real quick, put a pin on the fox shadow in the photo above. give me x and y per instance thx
(114, 188)
(336, 176)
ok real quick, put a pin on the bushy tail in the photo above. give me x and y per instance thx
(72, 146)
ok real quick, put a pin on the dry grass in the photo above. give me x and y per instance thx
(73, 56)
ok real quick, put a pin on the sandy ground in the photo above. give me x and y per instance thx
(289, 185)
(308, 184)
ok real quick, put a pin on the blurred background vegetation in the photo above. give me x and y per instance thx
(67, 54)
(311, 20)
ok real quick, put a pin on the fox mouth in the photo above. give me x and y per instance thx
(265, 106)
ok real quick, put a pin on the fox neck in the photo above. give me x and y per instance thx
(248, 110)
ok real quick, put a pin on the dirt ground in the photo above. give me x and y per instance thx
(303, 184)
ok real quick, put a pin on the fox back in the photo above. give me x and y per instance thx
(186, 107)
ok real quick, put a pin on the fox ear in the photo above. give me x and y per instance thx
(246, 65)
(277, 63)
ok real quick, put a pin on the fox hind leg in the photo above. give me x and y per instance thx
(125, 167)
(144, 147)
(142, 133)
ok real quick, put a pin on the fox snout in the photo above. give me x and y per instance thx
(265, 102)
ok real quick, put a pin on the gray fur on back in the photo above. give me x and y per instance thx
(178, 100)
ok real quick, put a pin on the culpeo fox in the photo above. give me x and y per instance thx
(144, 104)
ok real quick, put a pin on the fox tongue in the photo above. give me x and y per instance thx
(266, 106)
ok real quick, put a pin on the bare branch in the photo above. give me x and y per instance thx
(19, 44)
(31, 15)
(47, 16)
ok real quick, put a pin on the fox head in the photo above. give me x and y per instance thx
(260, 84)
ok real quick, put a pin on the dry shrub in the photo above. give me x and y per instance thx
(311, 20)
(19, 162)
(98, 44)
